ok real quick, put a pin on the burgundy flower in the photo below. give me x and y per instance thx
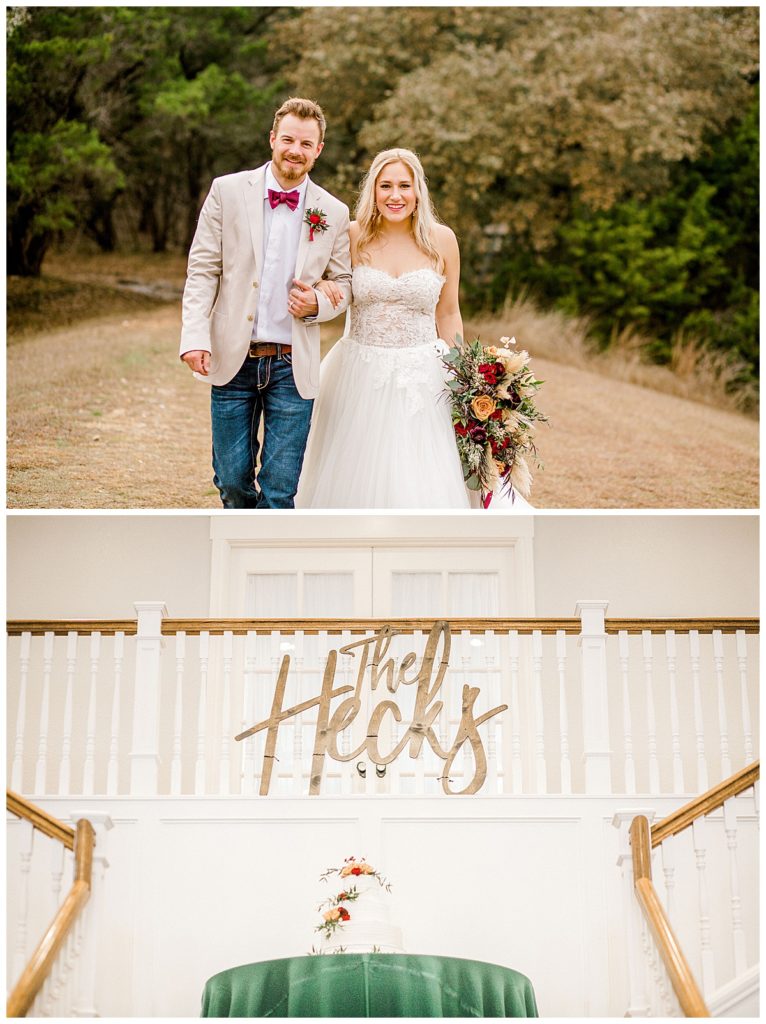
(461, 430)
(491, 372)
(344, 914)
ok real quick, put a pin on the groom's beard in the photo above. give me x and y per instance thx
(289, 171)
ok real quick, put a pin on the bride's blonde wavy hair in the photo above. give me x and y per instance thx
(424, 218)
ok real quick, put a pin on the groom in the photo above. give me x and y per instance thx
(250, 316)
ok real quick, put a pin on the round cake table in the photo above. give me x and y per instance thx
(369, 985)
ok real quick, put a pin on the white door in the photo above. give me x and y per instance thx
(443, 582)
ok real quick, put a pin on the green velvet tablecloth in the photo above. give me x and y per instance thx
(369, 985)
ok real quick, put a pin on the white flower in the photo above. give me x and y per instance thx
(507, 341)
(516, 362)
(521, 478)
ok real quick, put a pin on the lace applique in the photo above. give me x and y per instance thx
(393, 328)
(394, 312)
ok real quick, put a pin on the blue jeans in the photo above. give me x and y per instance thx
(263, 388)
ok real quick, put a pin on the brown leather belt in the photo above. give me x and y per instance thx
(265, 348)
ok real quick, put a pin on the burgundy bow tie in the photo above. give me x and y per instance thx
(288, 198)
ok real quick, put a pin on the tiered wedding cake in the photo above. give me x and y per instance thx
(356, 918)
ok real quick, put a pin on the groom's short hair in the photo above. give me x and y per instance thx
(307, 110)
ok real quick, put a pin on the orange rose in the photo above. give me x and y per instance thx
(483, 406)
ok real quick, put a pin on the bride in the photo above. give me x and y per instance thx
(381, 433)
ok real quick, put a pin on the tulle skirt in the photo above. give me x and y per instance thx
(381, 433)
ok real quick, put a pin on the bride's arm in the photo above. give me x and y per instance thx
(448, 319)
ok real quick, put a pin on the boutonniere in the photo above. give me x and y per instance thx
(316, 220)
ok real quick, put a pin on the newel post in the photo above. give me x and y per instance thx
(597, 753)
(91, 966)
(638, 999)
(145, 748)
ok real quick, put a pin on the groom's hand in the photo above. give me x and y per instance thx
(198, 361)
(302, 300)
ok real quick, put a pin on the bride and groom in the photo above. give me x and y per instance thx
(274, 256)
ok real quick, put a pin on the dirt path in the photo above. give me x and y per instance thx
(104, 415)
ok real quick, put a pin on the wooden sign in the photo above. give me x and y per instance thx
(373, 654)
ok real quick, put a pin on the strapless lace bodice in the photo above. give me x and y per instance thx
(394, 312)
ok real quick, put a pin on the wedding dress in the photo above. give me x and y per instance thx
(381, 432)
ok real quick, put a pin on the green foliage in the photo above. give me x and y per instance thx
(163, 99)
(681, 263)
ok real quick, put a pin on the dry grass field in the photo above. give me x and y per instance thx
(102, 414)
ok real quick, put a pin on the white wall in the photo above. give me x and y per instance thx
(95, 566)
(648, 565)
(658, 565)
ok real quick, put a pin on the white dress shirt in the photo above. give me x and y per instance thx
(281, 237)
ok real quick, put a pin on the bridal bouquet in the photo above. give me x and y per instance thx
(492, 394)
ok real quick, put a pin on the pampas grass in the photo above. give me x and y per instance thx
(695, 371)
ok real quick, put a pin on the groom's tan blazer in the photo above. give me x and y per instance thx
(224, 271)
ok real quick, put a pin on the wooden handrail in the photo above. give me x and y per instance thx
(107, 627)
(41, 820)
(705, 804)
(684, 984)
(41, 962)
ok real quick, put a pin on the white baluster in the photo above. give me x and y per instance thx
(454, 693)
(17, 771)
(65, 767)
(44, 998)
(699, 837)
(675, 731)
(71, 961)
(113, 767)
(204, 661)
(660, 981)
(41, 768)
(176, 763)
(541, 775)
(668, 853)
(647, 949)
(89, 768)
(561, 660)
(418, 765)
(492, 755)
(741, 660)
(627, 726)
(298, 719)
(275, 658)
(248, 714)
(738, 931)
(58, 855)
(26, 849)
(699, 728)
(654, 768)
(722, 718)
(747, 728)
(756, 802)
(516, 773)
(224, 778)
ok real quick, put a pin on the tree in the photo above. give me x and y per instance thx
(128, 112)
(55, 158)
